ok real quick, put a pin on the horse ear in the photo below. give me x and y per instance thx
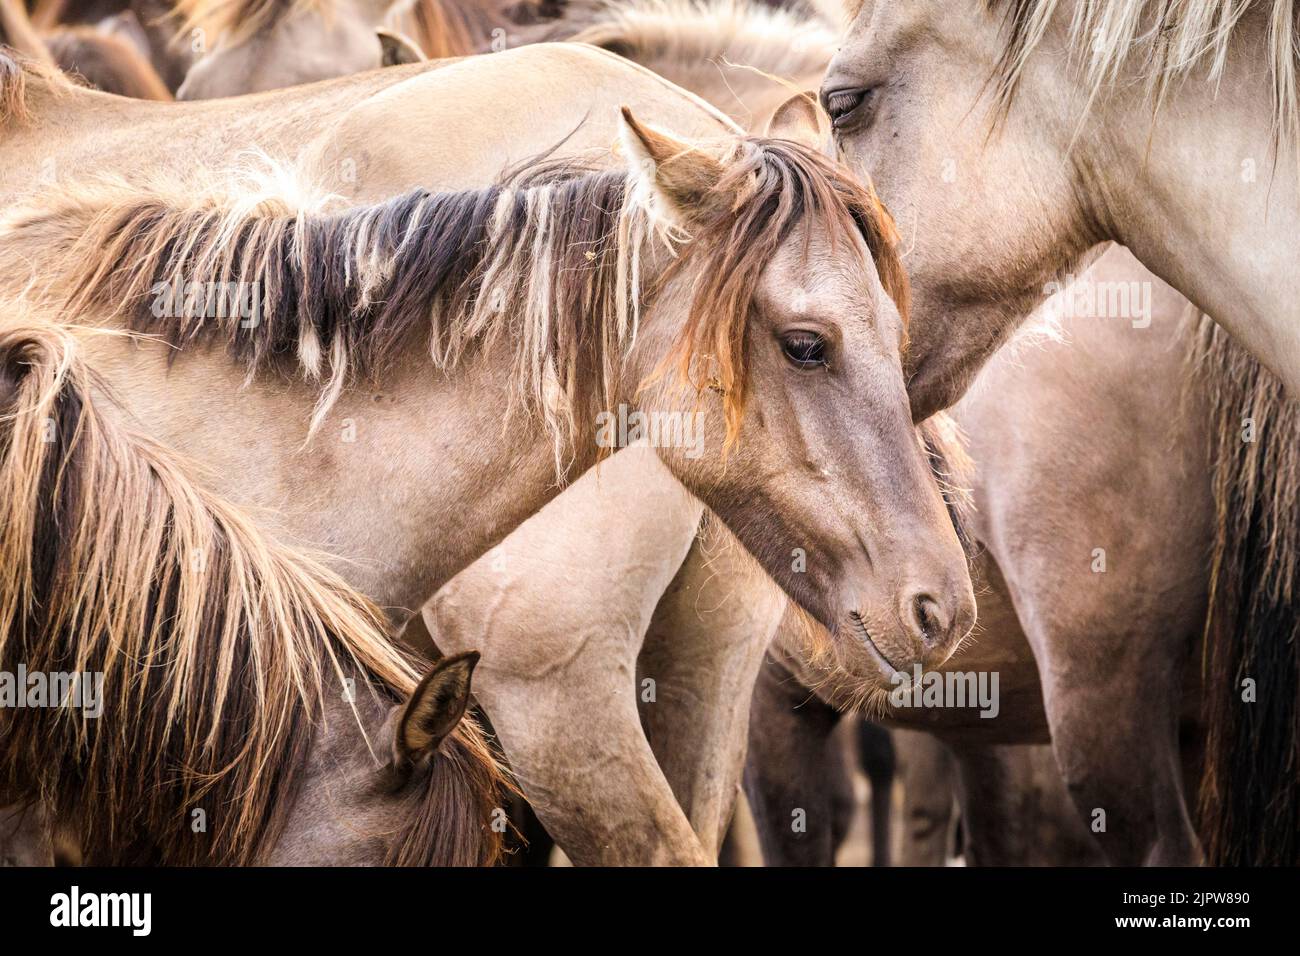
(682, 175)
(800, 120)
(397, 49)
(435, 708)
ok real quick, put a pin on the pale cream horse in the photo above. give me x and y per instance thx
(921, 602)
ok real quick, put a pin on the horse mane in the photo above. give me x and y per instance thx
(216, 644)
(231, 22)
(1250, 791)
(1169, 40)
(106, 63)
(702, 34)
(552, 253)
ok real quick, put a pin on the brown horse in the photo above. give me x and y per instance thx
(105, 62)
(150, 26)
(228, 694)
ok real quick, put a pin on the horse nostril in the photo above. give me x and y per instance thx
(931, 622)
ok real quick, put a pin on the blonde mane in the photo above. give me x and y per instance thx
(216, 645)
(1167, 41)
(705, 34)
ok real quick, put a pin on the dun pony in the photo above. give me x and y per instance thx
(552, 258)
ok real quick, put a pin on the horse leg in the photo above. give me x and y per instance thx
(1015, 809)
(1104, 552)
(696, 675)
(925, 766)
(558, 611)
(1115, 736)
(879, 763)
(794, 765)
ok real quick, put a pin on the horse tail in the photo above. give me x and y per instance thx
(1250, 790)
(197, 648)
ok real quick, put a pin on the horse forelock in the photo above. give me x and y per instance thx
(213, 645)
(778, 184)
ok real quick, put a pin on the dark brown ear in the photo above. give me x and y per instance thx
(682, 175)
(435, 708)
(800, 120)
(397, 49)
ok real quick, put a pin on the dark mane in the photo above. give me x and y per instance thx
(549, 259)
(215, 644)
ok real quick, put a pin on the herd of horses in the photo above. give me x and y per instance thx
(359, 578)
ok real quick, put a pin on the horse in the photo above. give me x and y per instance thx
(254, 45)
(1109, 163)
(240, 687)
(1191, 574)
(1066, 158)
(150, 26)
(360, 119)
(1169, 837)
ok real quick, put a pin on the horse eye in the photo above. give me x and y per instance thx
(849, 107)
(804, 349)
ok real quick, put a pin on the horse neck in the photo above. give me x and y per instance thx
(1200, 195)
(1219, 229)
